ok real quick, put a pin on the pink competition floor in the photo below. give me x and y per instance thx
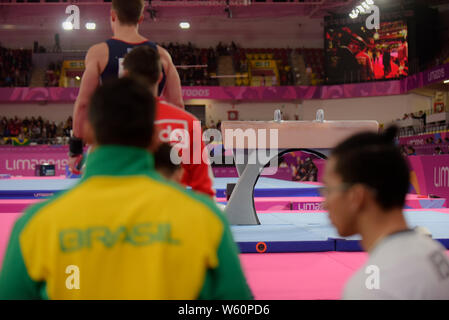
(300, 276)
(275, 276)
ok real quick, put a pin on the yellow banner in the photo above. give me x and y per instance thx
(263, 64)
(73, 64)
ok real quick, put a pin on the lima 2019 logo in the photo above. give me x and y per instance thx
(441, 177)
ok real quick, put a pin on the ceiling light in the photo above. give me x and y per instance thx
(446, 81)
(67, 25)
(184, 25)
(366, 6)
(363, 8)
(354, 14)
(91, 26)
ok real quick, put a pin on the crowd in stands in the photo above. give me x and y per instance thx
(431, 146)
(424, 150)
(421, 126)
(15, 67)
(242, 58)
(52, 75)
(314, 60)
(189, 55)
(304, 170)
(195, 66)
(35, 130)
(440, 59)
(199, 66)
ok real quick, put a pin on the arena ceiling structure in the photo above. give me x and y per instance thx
(240, 9)
(296, 24)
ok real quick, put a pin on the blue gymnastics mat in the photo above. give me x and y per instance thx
(33, 188)
(43, 188)
(269, 187)
(313, 232)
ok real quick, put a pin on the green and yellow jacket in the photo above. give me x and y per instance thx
(122, 233)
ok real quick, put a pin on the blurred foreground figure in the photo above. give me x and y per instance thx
(366, 182)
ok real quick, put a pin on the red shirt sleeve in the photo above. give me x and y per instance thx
(198, 174)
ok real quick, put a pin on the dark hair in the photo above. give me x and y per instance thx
(374, 160)
(122, 112)
(162, 159)
(144, 62)
(128, 11)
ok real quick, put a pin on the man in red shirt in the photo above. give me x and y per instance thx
(174, 125)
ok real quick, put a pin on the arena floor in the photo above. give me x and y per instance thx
(293, 254)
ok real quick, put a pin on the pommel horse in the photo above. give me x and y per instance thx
(317, 137)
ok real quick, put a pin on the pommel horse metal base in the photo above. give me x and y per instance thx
(310, 136)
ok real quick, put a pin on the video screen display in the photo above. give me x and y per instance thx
(356, 54)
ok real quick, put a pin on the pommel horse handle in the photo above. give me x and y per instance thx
(319, 137)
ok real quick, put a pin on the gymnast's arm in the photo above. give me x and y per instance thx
(89, 82)
(172, 91)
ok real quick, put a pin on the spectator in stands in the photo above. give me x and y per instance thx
(44, 135)
(282, 164)
(192, 56)
(312, 172)
(309, 74)
(404, 151)
(14, 67)
(298, 173)
(60, 129)
(68, 127)
(3, 126)
(438, 151)
(421, 116)
(52, 131)
(305, 171)
(6, 132)
(52, 75)
(14, 127)
(411, 151)
(38, 130)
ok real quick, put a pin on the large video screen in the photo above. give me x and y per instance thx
(356, 54)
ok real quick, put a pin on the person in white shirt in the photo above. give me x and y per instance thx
(366, 181)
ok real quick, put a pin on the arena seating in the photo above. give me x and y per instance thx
(15, 65)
